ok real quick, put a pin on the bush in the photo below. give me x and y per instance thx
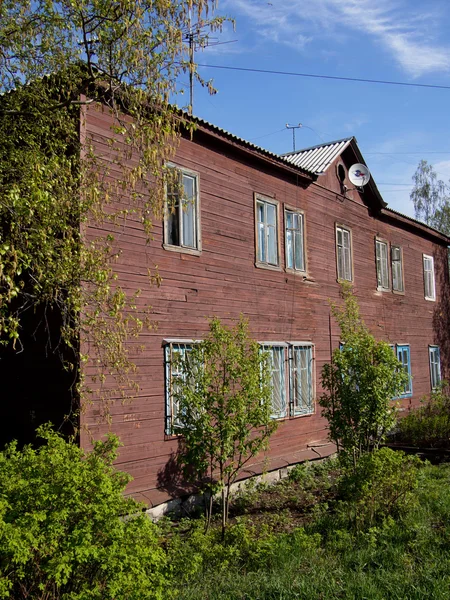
(428, 425)
(359, 384)
(67, 531)
(380, 487)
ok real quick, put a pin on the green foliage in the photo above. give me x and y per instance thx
(428, 425)
(431, 198)
(380, 487)
(59, 58)
(224, 407)
(67, 531)
(402, 556)
(359, 385)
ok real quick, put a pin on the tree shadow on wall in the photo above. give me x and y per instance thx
(441, 316)
(171, 478)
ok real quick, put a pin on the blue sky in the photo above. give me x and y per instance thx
(397, 40)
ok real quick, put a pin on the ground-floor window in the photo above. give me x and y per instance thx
(292, 373)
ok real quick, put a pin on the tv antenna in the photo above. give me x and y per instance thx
(293, 127)
(197, 38)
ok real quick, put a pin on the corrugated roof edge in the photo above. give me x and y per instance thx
(323, 145)
(432, 230)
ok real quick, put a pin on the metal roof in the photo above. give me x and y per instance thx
(317, 159)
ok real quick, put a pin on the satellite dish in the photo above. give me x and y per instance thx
(359, 175)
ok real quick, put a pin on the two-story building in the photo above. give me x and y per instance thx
(268, 237)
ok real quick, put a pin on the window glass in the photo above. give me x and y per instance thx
(397, 269)
(301, 379)
(435, 366)
(382, 264)
(294, 238)
(267, 232)
(428, 275)
(181, 219)
(175, 353)
(344, 256)
(277, 368)
(403, 356)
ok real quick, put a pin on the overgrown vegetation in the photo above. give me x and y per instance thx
(58, 59)
(429, 425)
(324, 532)
(224, 409)
(68, 532)
(359, 384)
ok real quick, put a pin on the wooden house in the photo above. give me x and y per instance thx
(269, 237)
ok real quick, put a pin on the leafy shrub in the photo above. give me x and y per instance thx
(428, 425)
(67, 531)
(380, 487)
(359, 384)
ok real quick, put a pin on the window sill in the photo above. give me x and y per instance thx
(382, 289)
(261, 265)
(430, 299)
(182, 249)
(398, 292)
(302, 274)
(340, 280)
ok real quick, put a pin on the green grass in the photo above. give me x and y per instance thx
(403, 558)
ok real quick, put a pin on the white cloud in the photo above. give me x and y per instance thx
(407, 35)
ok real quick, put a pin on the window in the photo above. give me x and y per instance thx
(266, 231)
(381, 251)
(292, 378)
(435, 366)
(428, 277)
(175, 353)
(277, 362)
(344, 253)
(397, 269)
(301, 381)
(295, 240)
(403, 356)
(181, 223)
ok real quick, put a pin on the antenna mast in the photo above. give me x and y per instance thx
(293, 127)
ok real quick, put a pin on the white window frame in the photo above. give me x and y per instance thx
(281, 349)
(302, 233)
(382, 265)
(304, 407)
(264, 200)
(348, 276)
(291, 406)
(396, 290)
(183, 247)
(399, 352)
(429, 281)
(171, 417)
(435, 366)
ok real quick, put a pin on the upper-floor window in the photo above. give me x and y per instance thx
(428, 277)
(382, 258)
(397, 269)
(404, 357)
(182, 223)
(344, 253)
(266, 231)
(435, 366)
(295, 240)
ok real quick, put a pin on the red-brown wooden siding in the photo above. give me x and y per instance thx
(223, 281)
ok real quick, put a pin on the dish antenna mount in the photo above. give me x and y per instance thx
(359, 175)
